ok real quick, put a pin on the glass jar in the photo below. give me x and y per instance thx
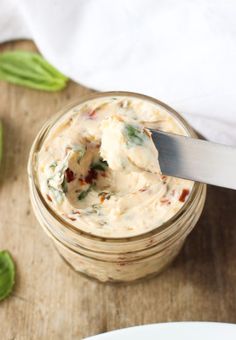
(115, 259)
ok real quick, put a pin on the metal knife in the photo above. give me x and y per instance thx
(196, 159)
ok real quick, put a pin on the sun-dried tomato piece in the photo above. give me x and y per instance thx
(69, 174)
(92, 175)
(183, 195)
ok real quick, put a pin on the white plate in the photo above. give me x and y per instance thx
(173, 331)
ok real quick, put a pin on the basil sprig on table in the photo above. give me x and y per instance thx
(1, 141)
(7, 274)
(31, 70)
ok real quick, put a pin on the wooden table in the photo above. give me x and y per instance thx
(51, 301)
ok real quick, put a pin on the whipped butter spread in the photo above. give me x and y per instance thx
(98, 168)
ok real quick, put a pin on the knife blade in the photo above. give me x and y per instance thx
(196, 159)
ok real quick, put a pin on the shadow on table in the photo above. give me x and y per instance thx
(210, 249)
(200, 284)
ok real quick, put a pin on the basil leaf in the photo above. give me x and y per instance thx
(7, 274)
(83, 194)
(30, 69)
(1, 141)
(100, 165)
(134, 135)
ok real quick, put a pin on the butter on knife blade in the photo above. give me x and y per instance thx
(196, 159)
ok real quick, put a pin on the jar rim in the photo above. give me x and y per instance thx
(42, 134)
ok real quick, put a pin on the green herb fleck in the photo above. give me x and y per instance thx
(134, 135)
(57, 183)
(31, 70)
(80, 150)
(53, 165)
(7, 274)
(84, 193)
(96, 206)
(64, 185)
(100, 165)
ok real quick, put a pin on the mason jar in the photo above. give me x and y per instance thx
(111, 259)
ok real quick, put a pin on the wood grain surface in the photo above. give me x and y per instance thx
(51, 301)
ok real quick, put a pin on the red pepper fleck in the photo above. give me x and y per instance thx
(49, 198)
(104, 196)
(103, 174)
(102, 199)
(183, 195)
(165, 200)
(70, 176)
(150, 242)
(81, 181)
(92, 174)
(92, 114)
(143, 189)
(72, 218)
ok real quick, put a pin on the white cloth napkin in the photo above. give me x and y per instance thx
(181, 52)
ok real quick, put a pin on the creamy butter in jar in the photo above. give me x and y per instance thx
(97, 189)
